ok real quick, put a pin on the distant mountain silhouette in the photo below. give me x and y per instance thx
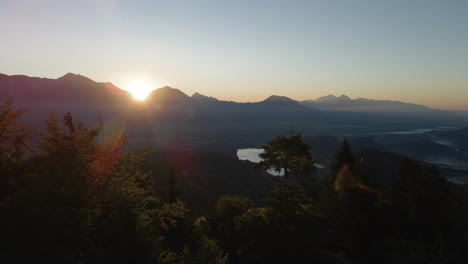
(346, 104)
(325, 99)
(77, 89)
(331, 99)
(68, 89)
(203, 98)
(199, 122)
(79, 94)
(85, 97)
(168, 95)
(280, 101)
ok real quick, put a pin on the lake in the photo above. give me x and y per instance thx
(252, 155)
(416, 131)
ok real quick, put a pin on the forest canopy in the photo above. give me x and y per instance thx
(84, 196)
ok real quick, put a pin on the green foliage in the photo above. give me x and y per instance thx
(210, 252)
(228, 207)
(121, 214)
(13, 135)
(287, 153)
(80, 200)
(288, 200)
(299, 226)
(13, 139)
(83, 199)
(221, 221)
(206, 251)
(173, 224)
(47, 215)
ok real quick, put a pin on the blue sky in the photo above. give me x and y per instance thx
(414, 51)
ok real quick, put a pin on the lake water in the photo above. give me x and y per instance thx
(252, 155)
(417, 131)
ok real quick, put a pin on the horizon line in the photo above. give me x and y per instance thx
(223, 100)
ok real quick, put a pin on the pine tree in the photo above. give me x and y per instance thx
(330, 200)
(289, 154)
(343, 156)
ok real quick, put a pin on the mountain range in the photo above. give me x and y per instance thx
(344, 103)
(68, 89)
(173, 121)
(77, 89)
(168, 111)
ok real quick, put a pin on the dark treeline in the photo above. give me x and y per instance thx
(82, 197)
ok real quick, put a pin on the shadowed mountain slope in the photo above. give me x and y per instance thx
(203, 98)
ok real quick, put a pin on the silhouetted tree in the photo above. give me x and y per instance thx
(349, 207)
(330, 200)
(13, 139)
(422, 214)
(203, 251)
(82, 199)
(173, 228)
(78, 200)
(122, 214)
(421, 195)
(221, 221)
(51, 194)
(289, 154)
(344, 156)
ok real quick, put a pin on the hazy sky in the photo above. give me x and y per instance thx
(414, 51)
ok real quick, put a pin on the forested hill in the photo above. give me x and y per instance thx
(82, 196)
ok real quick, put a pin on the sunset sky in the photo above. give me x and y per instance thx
(412, 50)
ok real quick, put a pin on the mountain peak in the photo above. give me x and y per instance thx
(69, 75)
(325, 99)
(168, 89)
(168, 94)
(279, 99)
(343, 98)
(74, 77)
(331, 99)
(200, 97)
(70, 88)
(344, 103)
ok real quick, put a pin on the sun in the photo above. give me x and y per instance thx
(140, 89)
(138, 84)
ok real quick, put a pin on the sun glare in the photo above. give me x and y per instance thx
(140, 89)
